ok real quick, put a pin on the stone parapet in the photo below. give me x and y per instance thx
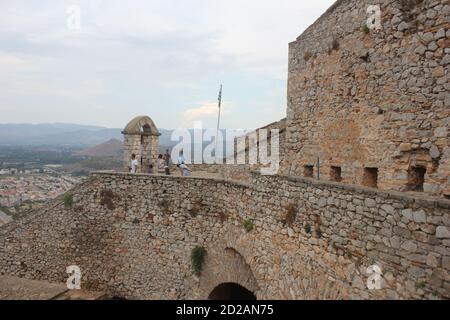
(132, 234)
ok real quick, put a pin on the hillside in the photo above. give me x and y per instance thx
(111, 148)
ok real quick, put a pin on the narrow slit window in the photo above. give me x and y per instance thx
(416, 179)
(370, 178)
(308, 171)
(336, 174)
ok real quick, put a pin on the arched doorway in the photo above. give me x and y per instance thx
(227, 276)
(231, 291)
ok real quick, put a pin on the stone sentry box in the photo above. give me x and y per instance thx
(141, 137)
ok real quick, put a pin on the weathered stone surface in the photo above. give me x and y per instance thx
(405, 147)
(442, 232)
(419, 216)
(370, 203)
(446, 263)
(388, 208)
(135, 249)
(332, 111)
(434, 152)
(409, 246)
(408, 214)
(440, 132)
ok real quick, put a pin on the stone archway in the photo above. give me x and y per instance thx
(141, 137)
(231, 291)
(227, 276)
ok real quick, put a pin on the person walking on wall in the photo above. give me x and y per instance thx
(134, 164)
(185, 171)
(181, 158)
(167, 162)
(181, 161)
(167, 158)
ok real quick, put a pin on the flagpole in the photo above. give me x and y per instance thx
(218, 120)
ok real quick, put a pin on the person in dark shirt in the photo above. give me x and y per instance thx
(167, 157)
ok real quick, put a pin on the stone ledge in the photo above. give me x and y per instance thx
(164, 177)
(421, 200)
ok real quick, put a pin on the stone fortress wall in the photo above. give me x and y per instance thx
(242, 172)
(132, 236)
(373, 106)
(230, 167)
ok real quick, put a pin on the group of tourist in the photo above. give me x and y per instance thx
(163, 164)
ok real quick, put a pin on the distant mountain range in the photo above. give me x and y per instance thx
(111, 148)
(93, 140)
(64, 134)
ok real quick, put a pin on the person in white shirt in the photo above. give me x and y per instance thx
(181, 161)
(181, 158)
(134, 163)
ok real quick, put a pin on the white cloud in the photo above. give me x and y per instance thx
(148, 56)
(85, 89)
(206, 110)
(9, 62)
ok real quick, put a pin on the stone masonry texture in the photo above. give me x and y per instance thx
(132, 235)
(360, 98)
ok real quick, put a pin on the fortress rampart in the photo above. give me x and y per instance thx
(132, 236)
(373, 106)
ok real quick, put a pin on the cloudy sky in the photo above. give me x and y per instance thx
(163, 58)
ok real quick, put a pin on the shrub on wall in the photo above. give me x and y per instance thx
(197, 258)
(365, 29)
(248, 225)
(68, 200)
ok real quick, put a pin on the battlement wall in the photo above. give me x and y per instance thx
(373, 106)
(132, 236)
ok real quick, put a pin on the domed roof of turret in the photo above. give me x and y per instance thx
(141, 125)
